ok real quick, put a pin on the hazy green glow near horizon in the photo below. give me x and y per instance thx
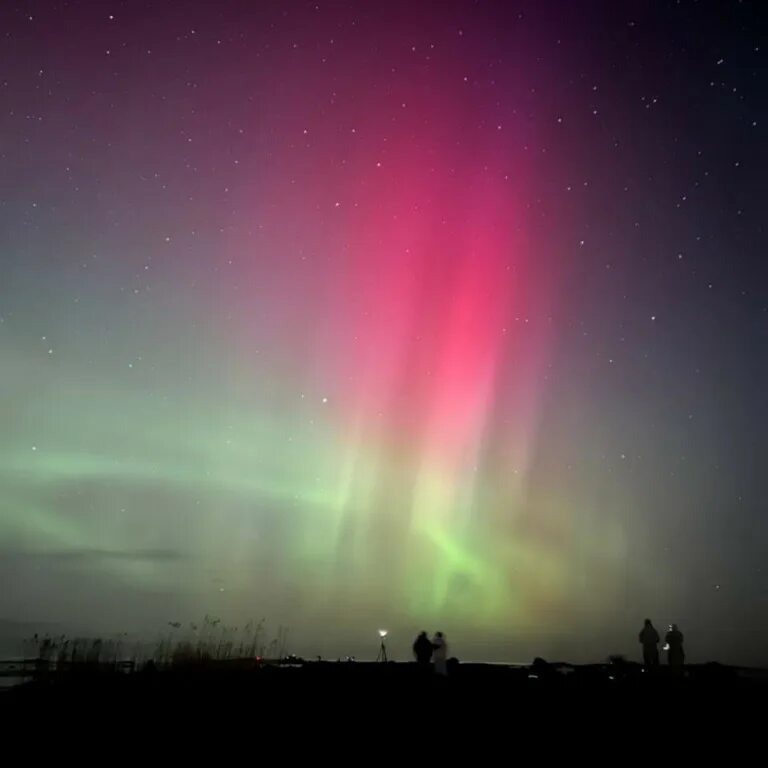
(240, 500)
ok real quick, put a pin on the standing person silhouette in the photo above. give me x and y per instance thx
(440, 654)
(422, 650)
(649, 639)
(675, 652)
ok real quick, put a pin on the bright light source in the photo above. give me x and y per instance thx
(666, 647)
(383, 633)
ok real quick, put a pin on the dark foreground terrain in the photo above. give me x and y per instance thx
(247, 685)
(371, 713)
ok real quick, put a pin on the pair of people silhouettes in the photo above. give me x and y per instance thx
(649, 639)
(434, 650)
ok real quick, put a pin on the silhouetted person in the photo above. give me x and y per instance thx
(440, 654)
(649, 639)
(674, 641)
(422, 649)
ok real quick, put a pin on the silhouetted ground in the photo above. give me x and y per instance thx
(372, 713)
(347, 685)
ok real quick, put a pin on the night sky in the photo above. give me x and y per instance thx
(442, 315)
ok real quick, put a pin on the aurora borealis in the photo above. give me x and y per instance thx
(442, 315)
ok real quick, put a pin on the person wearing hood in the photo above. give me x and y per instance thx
(422, 649)
(649, 639)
